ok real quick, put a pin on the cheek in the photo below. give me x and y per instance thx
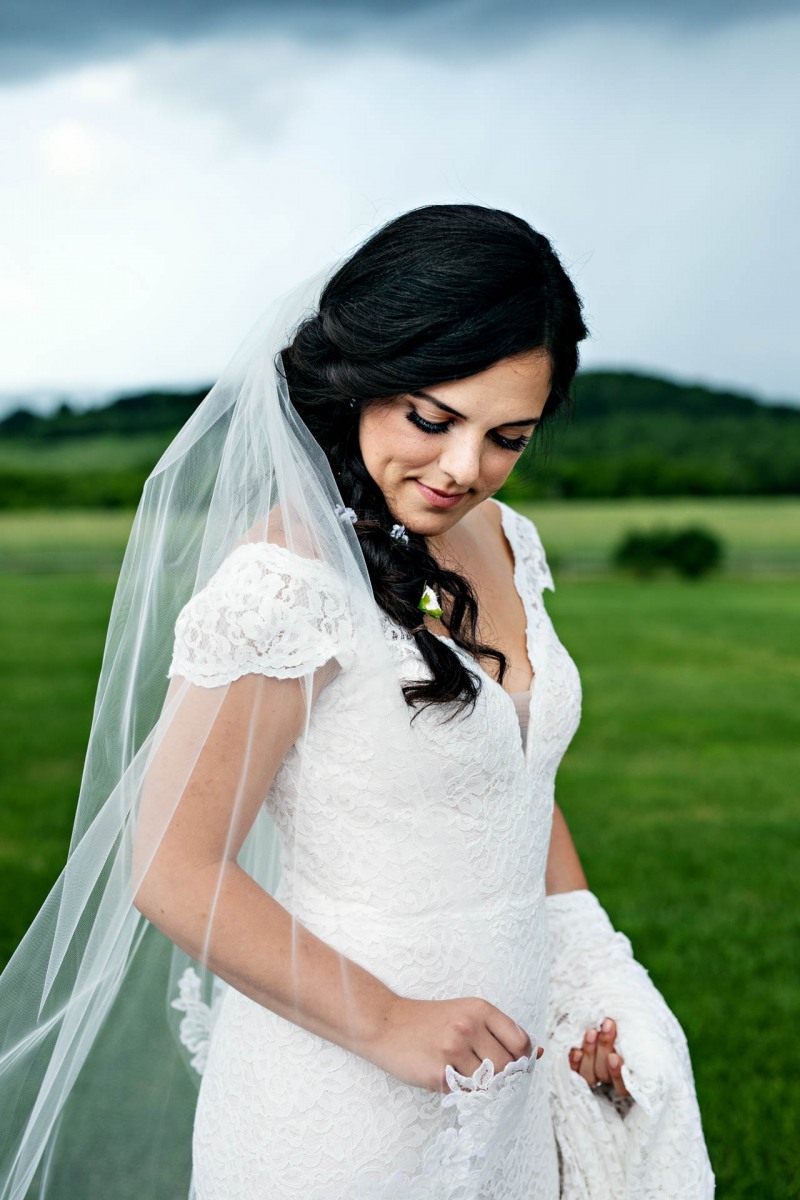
(412, 448)
(390, 443)
(497, 466)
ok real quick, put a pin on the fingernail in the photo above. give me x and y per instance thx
(613, 1061)
(591, 1036)
(606, 1026)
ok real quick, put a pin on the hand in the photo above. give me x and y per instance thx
(597, 1061)
(419, 1038)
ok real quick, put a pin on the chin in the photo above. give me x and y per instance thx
(429, 524)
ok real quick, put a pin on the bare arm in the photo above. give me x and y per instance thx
(564, 872)
(218, 758)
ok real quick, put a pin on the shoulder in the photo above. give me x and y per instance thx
(259, 569)
(266, 610)
(525, 542)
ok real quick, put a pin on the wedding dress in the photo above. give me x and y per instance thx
(396, 882)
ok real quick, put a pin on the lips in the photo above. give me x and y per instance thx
(439, 499)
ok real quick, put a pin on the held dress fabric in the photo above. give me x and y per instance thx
(397, 885)
(658, 1149)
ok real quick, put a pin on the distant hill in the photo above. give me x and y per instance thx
(632, 434)
(629, 434)
(148, 412)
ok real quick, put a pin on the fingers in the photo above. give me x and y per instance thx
(597, 1060)
(603, 1047)
(511, 1036)
(609, 1067)
(588, 1065)
(502, 1040)
(615, 1067)
(487, 1046)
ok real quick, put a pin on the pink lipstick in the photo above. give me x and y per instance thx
(439, 499)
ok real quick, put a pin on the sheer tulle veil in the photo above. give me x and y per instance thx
(104, 1021)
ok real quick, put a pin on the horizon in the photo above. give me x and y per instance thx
(45, 402)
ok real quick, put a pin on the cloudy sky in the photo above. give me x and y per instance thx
(168, 165)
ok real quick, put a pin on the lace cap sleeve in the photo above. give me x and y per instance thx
(265, 611)
(528, 547)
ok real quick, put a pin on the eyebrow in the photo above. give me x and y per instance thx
(455, 413)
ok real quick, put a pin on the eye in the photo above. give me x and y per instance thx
(428, 426)
(511, 443)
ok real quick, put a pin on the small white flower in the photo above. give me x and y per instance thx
(429, 602)
(398, 532)
(345, 514)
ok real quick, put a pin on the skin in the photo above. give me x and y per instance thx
(219, 749)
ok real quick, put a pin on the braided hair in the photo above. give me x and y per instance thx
(440, 293)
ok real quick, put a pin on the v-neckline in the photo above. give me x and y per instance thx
(517, 579)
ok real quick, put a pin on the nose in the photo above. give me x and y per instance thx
(461, 458)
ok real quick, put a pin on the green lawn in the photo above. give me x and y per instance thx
(104, 452)
(758, 532)
(680, 786)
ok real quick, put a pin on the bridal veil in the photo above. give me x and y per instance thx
(104, 1021)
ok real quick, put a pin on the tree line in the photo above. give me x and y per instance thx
(625, 434)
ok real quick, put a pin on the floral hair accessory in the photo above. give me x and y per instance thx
(398, 532)
(429, 602)
(345, 514)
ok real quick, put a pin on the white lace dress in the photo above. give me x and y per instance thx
(285, 1114)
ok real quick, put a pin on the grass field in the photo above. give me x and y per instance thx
(100, 452)
(680, 787)
(760, 534)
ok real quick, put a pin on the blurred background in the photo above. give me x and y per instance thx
(168, 167)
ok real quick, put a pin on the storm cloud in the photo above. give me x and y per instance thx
(40, 37)
(168, 168)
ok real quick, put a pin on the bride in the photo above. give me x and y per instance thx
(318, 813)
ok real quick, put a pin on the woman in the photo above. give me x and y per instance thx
(365, 677)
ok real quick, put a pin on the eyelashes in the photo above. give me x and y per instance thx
(505, 443)
(428, 426)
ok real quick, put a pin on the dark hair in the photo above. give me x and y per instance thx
(439, 293)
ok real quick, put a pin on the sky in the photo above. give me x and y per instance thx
(168, 167)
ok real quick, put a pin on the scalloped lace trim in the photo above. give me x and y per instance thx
(196, 1026)
(265, 611)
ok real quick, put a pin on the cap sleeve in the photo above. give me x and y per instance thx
(265, 611)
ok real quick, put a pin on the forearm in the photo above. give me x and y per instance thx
(563, 872)
(258, 948)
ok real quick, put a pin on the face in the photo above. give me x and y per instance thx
(438, 453)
